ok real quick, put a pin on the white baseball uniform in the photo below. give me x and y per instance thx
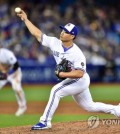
(78, 88)
(8, 58)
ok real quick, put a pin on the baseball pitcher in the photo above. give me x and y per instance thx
(71, 69)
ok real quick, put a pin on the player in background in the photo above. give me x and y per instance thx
(77, 81)
(10, 71)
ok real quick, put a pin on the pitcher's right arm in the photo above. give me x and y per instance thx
(36, 32)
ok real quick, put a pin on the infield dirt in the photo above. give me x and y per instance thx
(74, 127)
(78, 127)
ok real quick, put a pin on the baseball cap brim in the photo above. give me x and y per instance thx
(62, 27)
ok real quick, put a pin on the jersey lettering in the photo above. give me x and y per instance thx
(55, 53)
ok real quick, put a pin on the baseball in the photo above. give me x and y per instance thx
(17, 9)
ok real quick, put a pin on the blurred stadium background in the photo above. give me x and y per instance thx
(98, 22)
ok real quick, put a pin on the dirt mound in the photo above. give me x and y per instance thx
(78, 127)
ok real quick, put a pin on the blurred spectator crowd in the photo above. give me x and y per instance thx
(98, 22)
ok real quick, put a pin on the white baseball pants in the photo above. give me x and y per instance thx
(15, 81)
(79, 89)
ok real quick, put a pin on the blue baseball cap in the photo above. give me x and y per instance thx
(70, 28)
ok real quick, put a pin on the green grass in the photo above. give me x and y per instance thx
(11, 120)
(7, 120)
(41, 93)
(33, 93)
(105, 92)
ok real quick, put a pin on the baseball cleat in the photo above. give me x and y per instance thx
(40, 126)
(21, 111)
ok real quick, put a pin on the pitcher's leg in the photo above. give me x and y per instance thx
(84, 99)
(58, 91)
(51, 106)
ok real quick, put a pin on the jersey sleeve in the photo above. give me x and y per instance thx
(48, 41)
(80, 64)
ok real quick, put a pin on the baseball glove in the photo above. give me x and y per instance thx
(3, 76)
(62, 67)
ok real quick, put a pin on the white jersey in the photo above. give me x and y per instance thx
(77, 88)
(7, 57)
(73, 54)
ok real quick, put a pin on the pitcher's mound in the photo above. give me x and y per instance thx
(76, 127)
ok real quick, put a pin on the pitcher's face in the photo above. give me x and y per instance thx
(65, 37)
